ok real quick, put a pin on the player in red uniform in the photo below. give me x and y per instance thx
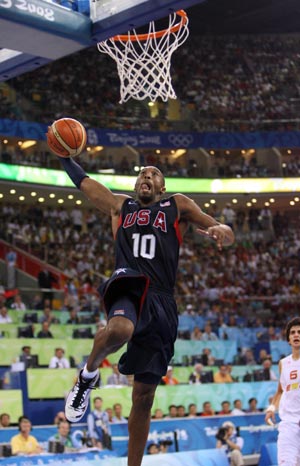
(141, 310)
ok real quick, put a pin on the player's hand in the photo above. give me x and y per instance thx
(216, 233)
(270, 418)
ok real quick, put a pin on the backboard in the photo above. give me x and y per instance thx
(35, 32)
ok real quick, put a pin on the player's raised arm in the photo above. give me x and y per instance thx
(102, 198)
(189, 211)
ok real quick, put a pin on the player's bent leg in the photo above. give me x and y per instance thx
(117, 332)
(108, 340)
(139, 420)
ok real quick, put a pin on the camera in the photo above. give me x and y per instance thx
(166, 443)
(5, 450)
(56, 447)
(220, 435)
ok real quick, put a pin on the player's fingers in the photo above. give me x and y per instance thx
(202, 232)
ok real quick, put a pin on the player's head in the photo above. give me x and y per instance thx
(149, 185)
(295, 322)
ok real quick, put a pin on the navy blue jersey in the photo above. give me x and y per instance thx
(148, 240)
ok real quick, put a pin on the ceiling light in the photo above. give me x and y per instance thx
(78, 202)
(70, 196)
(21, 198)
(41, 199)
(60, 201)
(292, 203)
(33, 194)
(27, 144)
(249, 204)
(52, 195)
(234, 201)
(12, 191)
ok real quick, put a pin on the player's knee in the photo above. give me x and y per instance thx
(119, 331)
(143, 401)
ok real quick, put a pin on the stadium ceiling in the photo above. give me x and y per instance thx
(245, 17)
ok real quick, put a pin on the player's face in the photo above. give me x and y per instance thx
(150, 185)
(294, 338)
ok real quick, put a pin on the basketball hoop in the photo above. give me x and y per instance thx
(144, 60)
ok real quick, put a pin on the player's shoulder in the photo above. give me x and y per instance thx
(285, 359)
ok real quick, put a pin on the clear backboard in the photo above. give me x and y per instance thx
(35, 32)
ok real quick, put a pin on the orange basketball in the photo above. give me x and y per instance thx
(66, 137)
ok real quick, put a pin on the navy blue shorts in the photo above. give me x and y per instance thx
(154, 314)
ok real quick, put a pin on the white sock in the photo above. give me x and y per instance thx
(89, 375)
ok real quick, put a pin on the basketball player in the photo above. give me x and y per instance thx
(139, 301)
(287, 398)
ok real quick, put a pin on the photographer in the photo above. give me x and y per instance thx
(229, 440)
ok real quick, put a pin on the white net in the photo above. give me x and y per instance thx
(144, 60)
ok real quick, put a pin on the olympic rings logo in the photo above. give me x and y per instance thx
(181, 139)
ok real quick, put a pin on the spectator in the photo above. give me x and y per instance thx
(4, 317)
(158, 414)
(248, 358)
(4, 420)
(192, 410)
(164, 445)
(63, 435)
(228, 215)
(229, 440)
(153, 449)
(223, 376)
(169, 379)
(60, 416)
(196, 334)
(181, 411)
(225, 411)
(207, 409)
(26, 353)
(172, 412)
(48, 316)
(58, 361)
(116, 378)
(269, 373)
(195, 376)
(118, 417)
(252, 403)
(18, 304)
(98, 426)
(11, 262)
(110, 413)
(208, 334)
(237, 410)
(207, 358)
(73, 317)
(44, 332)
(23, 443)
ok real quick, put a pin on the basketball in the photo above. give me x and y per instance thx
(66, 137)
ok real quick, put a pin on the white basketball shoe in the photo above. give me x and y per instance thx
(78, 398)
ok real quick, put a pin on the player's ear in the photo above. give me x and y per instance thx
(163, 190)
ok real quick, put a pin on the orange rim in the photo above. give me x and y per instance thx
(152, 35)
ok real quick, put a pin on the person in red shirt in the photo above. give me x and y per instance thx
(168, 379)
(207, 409)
